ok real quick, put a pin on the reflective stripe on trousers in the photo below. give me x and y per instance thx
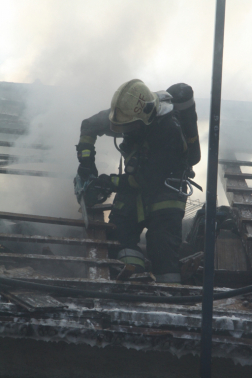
(168, 204)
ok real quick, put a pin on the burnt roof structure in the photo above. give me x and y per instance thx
(95, 317)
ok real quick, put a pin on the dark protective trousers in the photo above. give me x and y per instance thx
(163, 237)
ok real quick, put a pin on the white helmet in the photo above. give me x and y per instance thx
(133, 101)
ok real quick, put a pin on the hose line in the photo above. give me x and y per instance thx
(116, 146)
(63, 291)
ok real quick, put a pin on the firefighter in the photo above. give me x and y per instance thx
(160, 145)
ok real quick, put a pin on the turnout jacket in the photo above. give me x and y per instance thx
(164, 149)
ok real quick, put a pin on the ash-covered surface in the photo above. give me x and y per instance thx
(139, 326)
(30, 358)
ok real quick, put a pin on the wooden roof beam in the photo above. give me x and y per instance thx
(53, 220)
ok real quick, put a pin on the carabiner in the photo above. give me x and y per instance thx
(179, 191)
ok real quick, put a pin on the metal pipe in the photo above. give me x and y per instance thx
(212, 172)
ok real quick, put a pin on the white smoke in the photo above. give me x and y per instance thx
(84, 51)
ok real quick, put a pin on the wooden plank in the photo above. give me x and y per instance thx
(6, 130)
(52, 258)
(23, 145)
(56, 240)
(245, 215)
(240, 204)
(236, 196)
(24, 172)
(111, 286)
(235, 162)
(53, 220)
(231, 175)
(243, 198)
(240, 189)
(222, 171)
(239, 183)
(21, 159)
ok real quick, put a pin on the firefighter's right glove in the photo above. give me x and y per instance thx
(86, 157)
(106, 183)
(84, 172)
(182, 96)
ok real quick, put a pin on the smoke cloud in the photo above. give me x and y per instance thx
(82, 51)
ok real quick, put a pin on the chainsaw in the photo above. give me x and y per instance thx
(89, 193)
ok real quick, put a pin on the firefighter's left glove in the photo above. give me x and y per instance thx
(182, 96)
(106, 183)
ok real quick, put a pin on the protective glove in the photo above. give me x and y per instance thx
(185, 111)
(86, 157)
(84, 172)
(115, 183)
(182, 96)
(106, 183)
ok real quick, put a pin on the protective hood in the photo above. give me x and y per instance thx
(165, 106)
